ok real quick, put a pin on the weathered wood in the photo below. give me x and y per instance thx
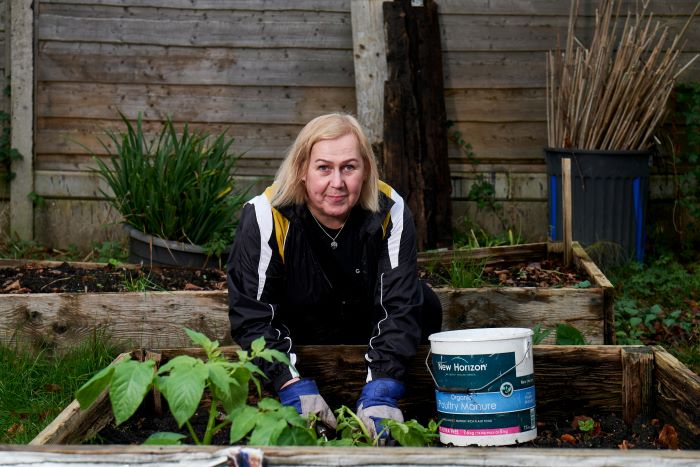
(570, 380)
(566, 208)
(215, 5)
(554, 7)
(151, 64)
(183, 27)
(637, 381)
(132, 319)
(200, 456)
(677, 397)
(156, 319)
(22, 117)
(415, 86)
(225, 104)
(369, 53)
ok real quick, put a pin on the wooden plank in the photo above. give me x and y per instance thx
(584, 262)
(523, 307)
(200, 456)
(554, 7)
(677, 397)
(83, 136)
(512, 69)
(152, 319)
(495, 105)
(533, 33)
(150, 64)
(637, 383)
(22, 117)
(369, 53)
(209, 104)
(527, 218)
(491, 255)
(312, 5)
(186, 27)
(503, 140)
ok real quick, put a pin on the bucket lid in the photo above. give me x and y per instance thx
(479, 335)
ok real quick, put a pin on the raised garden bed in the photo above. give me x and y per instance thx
(155, 319)
(589, 309)
(624, 381)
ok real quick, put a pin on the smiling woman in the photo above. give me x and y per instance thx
(327, 255)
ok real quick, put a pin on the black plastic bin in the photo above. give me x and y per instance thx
(609, 193)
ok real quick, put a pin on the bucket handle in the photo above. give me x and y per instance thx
(427, 365)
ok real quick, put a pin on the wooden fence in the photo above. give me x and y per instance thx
(261, 69)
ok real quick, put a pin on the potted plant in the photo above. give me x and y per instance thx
(176, 193)
(604, 103)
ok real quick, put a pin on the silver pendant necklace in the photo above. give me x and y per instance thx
(334, 244)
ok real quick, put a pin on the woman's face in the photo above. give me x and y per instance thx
(334, 179)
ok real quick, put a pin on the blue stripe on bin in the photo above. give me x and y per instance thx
(639, 222)
(553, 207)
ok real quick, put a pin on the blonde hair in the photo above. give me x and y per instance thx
(289, 188)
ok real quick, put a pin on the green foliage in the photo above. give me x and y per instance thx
(465, 273)
(586, 425)
(8, 154)
(657, 303)
(565, 334)
(178, 187)
(183, 381)
(479, 238)
(34, 387)
(139, 282)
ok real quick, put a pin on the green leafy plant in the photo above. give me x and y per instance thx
(178, 187)
(182, 382)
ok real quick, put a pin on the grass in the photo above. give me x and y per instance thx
(34, 388)
(101, 252)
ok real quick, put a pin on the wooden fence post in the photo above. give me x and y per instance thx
(22, 111)
(369, 54)
(415, 131)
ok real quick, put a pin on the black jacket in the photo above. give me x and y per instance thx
(279, 290)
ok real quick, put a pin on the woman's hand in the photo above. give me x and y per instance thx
(380, 400)
(303, 395)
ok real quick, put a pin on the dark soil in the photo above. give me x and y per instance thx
(32, 278)
(35, 278)
(608, 432)
(546, 273)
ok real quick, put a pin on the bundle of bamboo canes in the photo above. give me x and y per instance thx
(609, 97)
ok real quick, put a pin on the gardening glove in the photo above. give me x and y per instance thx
(304, 397)
(379, 400)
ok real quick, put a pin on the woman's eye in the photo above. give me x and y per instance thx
(349, 168)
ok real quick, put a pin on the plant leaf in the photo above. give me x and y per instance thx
(258, 344)
(270, 404)
(242, 421)
(91, 390)
(183, 388)
(130, 383)
(296, 436)
(267, 429)
(569, 335)
(164, 438)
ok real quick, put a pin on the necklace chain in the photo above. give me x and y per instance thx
(334, 244)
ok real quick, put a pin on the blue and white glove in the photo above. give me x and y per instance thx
(380, 400)
(304, 397)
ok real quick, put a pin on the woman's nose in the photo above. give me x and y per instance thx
(336, 179)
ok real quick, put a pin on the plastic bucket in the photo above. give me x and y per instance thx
(485, 386)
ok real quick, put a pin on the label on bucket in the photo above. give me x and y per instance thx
(478, 372)
(482, 397)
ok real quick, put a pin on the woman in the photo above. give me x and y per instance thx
(327, 255)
